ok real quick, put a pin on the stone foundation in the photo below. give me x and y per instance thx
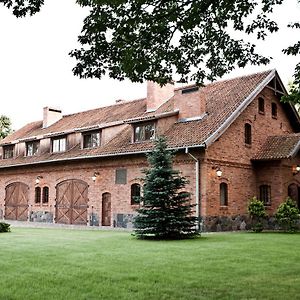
(235, 223)
(123, 220)
(41, 216)
(1, 214)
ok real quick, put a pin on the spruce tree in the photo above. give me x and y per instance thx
(166, 212)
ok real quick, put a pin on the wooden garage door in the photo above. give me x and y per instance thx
(16, 201)
(72, 202)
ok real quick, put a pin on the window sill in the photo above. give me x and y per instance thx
(261, 112)
(224, 207)
(274, 117)
(248, 145)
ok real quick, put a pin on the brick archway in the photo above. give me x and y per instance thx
(16, 201)
(72, 202)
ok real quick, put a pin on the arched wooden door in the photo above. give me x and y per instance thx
(16, 201)
(106, 209)
(72, 202)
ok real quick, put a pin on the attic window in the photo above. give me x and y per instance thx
(274, 110)
(32, 148)
(248, 134)
(8, 151)
(91, 139)
(59, 144)
(261, 105)
(190, 90)
(144, 132)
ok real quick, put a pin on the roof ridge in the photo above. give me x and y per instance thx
(107, 106)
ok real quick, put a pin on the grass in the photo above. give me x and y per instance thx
(74, 264)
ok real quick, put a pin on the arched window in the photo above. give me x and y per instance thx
(274, 110)
(265, 194)
(261, 105)
(45, 195)
(135, 193)
(37, 196)
(248, 134)
(224, 194)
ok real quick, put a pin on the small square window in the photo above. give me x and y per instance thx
(8, 151)
(32, 148)
(144, 132)
(91, 139)
(121, 176)
(59, 144)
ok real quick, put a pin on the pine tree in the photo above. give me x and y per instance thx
(166, 212)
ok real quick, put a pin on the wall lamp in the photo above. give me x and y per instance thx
(38, 179)
(218, 171)
(295, 169)
(94, 177)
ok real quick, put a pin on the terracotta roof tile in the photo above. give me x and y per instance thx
(223, 98)
(279, 147)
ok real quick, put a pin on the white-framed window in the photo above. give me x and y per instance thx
(59, 144)
(144, 132)
(32, 148)
(91, 139)
(8, 151)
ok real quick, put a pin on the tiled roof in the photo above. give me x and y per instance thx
(279, 147)
(224, 100)
(102, 115)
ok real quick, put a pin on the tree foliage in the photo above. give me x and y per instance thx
(5, 127)
(166, 212)
(287, 215)
(257, 213)
(153, 40)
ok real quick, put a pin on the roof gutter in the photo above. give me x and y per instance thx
(93, 157)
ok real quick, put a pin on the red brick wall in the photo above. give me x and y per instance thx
(105, 182)
(233, 157)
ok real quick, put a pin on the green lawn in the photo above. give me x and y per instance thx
(81, 264)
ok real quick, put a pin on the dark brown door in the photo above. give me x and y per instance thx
(72, 202)
(106, 209)
(16, 201)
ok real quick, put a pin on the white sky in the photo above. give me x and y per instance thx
(36, 71)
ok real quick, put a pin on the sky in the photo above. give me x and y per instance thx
(36, 70)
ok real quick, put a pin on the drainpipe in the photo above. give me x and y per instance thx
(198, 206)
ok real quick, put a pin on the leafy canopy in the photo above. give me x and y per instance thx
(153, 40)
(5, 127)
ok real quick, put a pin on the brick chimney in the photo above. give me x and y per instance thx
(157, 95)
(191, 102)
(51, 116)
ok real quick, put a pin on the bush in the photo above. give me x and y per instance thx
(287, 215)
(4, 227)
(257, 213)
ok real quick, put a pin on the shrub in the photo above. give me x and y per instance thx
(4, 227)
(257, 213)
(287, 215)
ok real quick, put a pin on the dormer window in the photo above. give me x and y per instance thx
(8, 151)
(91, 139)
(32, 148)
(144, 132)
(59, 144)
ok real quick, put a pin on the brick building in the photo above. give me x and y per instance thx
(234, 140)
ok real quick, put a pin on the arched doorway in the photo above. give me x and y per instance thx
(293, 192)
(16, 201)
(106, 209)
(72, 202)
